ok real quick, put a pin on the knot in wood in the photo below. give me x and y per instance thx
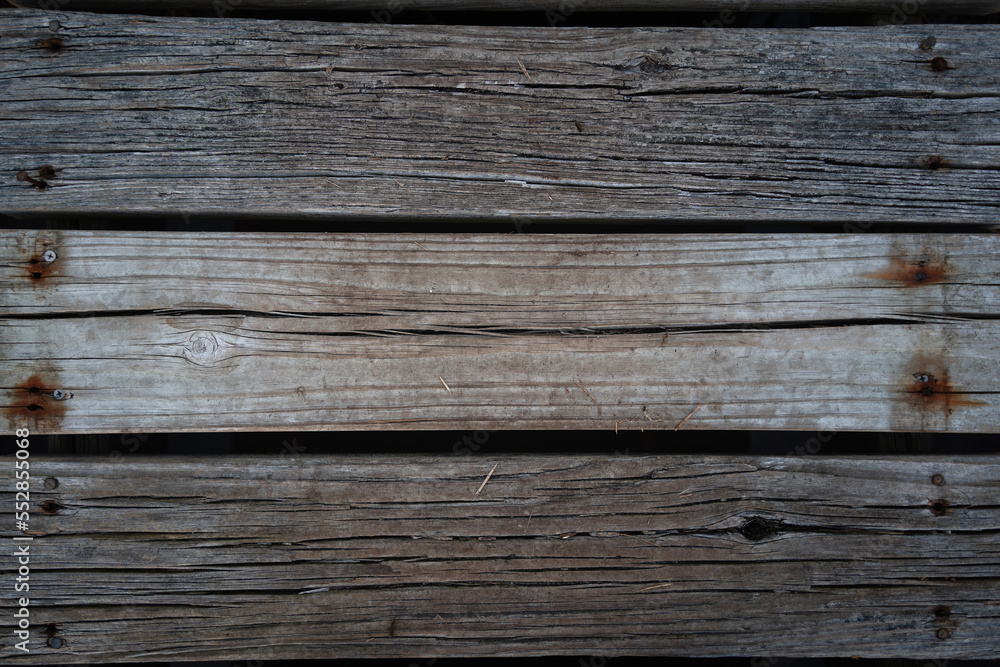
(203, 348)
(759, 528)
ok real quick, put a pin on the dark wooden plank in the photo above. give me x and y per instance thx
(123, 114)
(204, 332)
(897, 11)
(386, 556)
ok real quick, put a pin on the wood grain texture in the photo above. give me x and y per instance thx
(398, 556)
(136, 114)
(204, 332)
(560, 9)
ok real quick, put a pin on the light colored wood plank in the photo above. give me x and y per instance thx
(173, 115)
(203, 332)
(435, 282)
(397, 556)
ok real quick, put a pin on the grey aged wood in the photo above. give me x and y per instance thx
(129, 114)
(237, 558)
(204, 332)
(559, 10)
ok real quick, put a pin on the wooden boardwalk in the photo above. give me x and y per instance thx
(750, 229)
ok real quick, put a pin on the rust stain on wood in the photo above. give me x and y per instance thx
(912, 273)
(33, 405)
(50, 43)
(31, 250)
(933, 390)
(38, 270)
(45, 173)
(938, 507)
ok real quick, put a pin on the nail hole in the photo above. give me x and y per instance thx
(939, 64)
(920, 276)
(51, 43)
(942, 611)
(37, 275)
(34, 407)
(939, 507)
(934, 162)
(51, 507)
(34, 391)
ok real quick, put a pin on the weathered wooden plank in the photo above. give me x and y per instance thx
(561, 9)
(436, 282)
(203, 332)
(390, 556)
(112, 114)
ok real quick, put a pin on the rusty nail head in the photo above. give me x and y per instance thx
(928, 43)
(938, 479)
(943, 633)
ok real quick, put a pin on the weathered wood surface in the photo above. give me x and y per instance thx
(397, 556)
(202, 332)
(130, 114)
(561, 9)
